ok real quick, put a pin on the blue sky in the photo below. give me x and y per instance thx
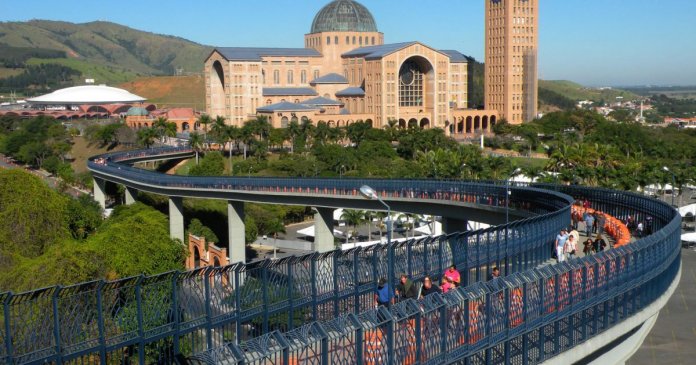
(594, 42)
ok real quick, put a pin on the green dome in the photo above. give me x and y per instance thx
(344, 16)
(137, 111)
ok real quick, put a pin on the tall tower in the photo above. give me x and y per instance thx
(511, 84)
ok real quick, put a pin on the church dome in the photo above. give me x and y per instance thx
(344, 16)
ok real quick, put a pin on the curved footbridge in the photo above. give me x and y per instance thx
(320, 308)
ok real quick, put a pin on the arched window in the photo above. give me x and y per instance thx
(353, 39)
(290, 77)
(336, 40)
(297, 101)
(410, 84)
(347, 39)
(316, 74)
(373, 41)
(328, 40)
(269, 102)
(284, 122)
(276, 77)
(360, 40)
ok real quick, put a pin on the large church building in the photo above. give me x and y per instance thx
(345, 73)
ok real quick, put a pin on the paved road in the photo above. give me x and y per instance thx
(673, 339)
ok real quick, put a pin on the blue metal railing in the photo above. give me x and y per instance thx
(152, 319)
(524, 318)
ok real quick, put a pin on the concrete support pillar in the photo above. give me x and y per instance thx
(130, 195)
(452, 225)
(100, 191)
(236, 246)
(323, 230)
(176, 218)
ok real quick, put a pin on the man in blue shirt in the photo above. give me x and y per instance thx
(561, 238)
(384, 294)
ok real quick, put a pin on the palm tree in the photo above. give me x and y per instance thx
(146, 137)
(160, 127)
(196, 142)
(293, 132)
(369, 216)
(274, 227)
(204, 120)
(353, 217)
(381, 216)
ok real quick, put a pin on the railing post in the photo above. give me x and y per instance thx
(8, 328)
(313, 274)
(391, 327)
(334, 281)
(291, 301)
(56, 326)
(100, 323)
(208, 310)
(141, 330)
(238, 301)
(356, 281)
(175, 313)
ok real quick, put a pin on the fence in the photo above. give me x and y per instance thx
(153, 319)
(524, 318)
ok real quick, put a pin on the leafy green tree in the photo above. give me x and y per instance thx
(84, 216)
(197, 228)
(146, 137)
(32, 216)
(213, 164)
(135, 240)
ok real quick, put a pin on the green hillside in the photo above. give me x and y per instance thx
(577, 92)
(108, 44)
(102, 74)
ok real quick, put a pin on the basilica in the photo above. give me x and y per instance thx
(345, 73)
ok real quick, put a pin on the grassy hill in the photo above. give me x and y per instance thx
(577, 92)
(102, 74)
(170, 91)
(109, 45)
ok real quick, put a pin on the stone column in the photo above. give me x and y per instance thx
(236, 246)
(452, 225)
(130, 193)
(176, 218)
(323, 230)
(100, 191)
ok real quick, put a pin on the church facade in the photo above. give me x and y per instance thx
(345, 73)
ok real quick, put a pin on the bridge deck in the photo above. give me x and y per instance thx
(672, 339)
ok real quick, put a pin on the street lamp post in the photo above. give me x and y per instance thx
(507, 213)
(673, 182)
(341, 171)
(370, 194)
(507, 196)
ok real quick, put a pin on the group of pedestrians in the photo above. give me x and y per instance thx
(407, 289)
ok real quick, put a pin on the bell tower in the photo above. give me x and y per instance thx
(511, 81)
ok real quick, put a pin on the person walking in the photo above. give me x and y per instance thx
(589, 222)
(429, 287)
(406, 288)
(569, 247)
(384, 295)
(561, 239)
(601, 221)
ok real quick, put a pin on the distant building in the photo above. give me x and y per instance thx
(511, 82)
(344, 74)
(186, 119)
(681, 122)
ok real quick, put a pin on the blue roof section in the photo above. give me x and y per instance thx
(455, 56)
(286, 107)
(255, 54)
(322, 101)
(351, 91)
(344, 111)
(332, 78)
(289, 91)
(377, 52)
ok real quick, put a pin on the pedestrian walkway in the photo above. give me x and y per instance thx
(672, 339)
